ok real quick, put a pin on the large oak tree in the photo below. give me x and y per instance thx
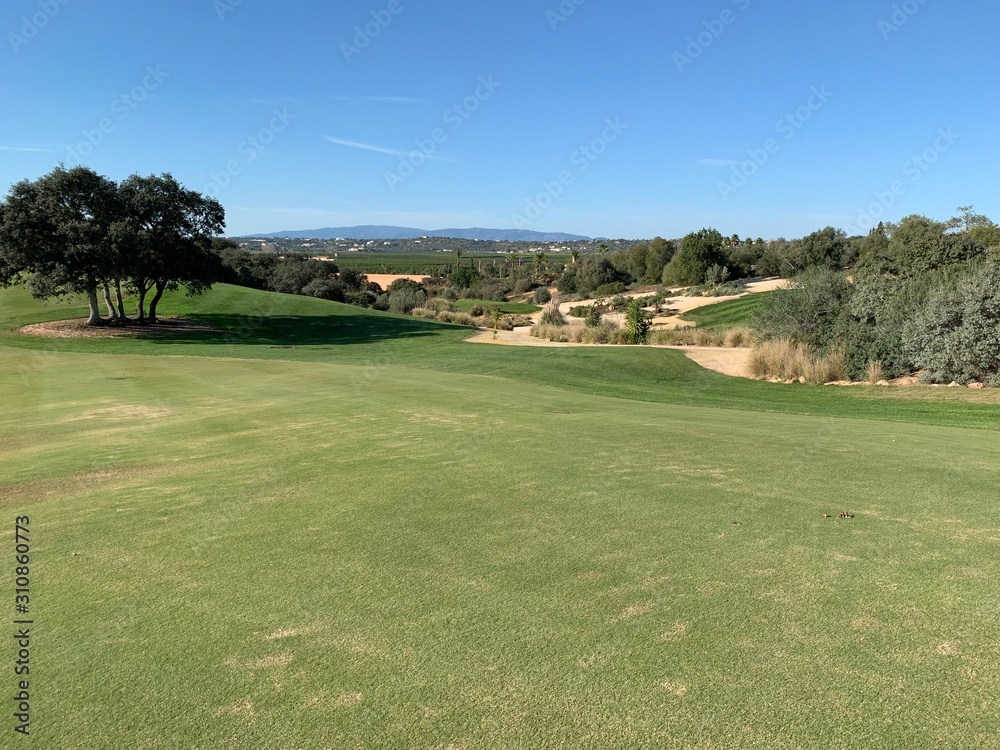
(74, 231)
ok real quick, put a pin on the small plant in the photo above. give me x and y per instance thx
(552, 317)
(874, 372)
(636, 323)
(592, 318)
(497, 318)
(541, 296)
(738, 337)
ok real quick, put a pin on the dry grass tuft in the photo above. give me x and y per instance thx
(787, 360)
(874, 372)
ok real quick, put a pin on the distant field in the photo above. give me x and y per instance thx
(327, 527)
(430, 264)
(726, 314)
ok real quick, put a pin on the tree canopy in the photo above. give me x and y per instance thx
(73, 231)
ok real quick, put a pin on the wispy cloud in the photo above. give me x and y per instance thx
(32, 149)
(396, 99)
(379, 149)
(717, 163)
(274, 102)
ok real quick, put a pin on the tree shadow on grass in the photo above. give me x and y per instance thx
(298, 330)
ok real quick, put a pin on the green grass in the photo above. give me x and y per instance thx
(387, 538)
(511, 308)
(731, 314)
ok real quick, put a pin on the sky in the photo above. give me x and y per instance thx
(626, 120)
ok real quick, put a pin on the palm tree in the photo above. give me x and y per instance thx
(574, 255)
(458, 257)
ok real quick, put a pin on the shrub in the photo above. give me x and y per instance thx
(550, 332)
(457, 318)
(636, 323)
(477, 310)
(592, 319)
(551, 316)
(541, 296)
(440, 304)
(955, 336)
(423, 312)
(494, 291)
(737, 337)
(809, 311)
(601, 334)
(608, 290)
(523, 286)
(404, 300)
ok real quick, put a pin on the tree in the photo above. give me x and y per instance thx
(658, 254)
(168, 233)
(636, 323)
(823, 248)
(699, 251)
(73, 231)
(574, 255)
(58, 234)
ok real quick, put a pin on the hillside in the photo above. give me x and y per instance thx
(403, 233)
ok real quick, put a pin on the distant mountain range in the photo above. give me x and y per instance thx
(407, 233)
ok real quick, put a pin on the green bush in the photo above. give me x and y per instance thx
(440, 304)
(636, 323)
(955, 335)
(593, 317)
(808, 311)
(608, 290)
(523, 286)
(541, 296)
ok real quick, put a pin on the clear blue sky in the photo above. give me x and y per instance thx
(335, 115)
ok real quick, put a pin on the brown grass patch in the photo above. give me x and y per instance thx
(676, 687)
(678, 630)
(278, 660)
(243, 707)
(634, 610)
(77, 329)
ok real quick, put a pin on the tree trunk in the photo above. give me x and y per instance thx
(160, 288)
(112, 313)
(121, 302)
(141, 306)
(95, 306)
